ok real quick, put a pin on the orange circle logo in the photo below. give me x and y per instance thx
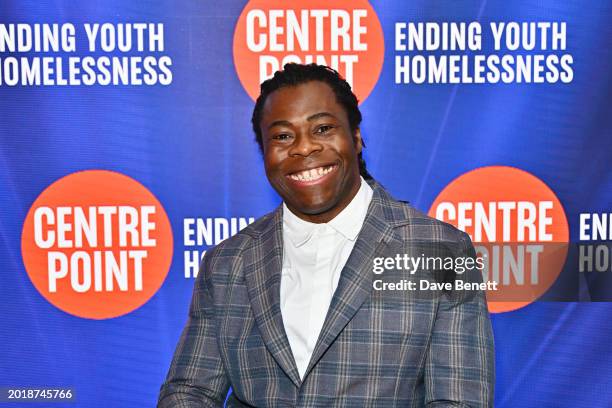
(97, 244)
(517, 225)
(345, 35)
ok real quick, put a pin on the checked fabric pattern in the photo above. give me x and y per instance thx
(376, 348)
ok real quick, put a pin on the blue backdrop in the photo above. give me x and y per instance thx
(191, 145)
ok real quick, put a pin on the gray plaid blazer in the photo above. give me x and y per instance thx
(376, 348)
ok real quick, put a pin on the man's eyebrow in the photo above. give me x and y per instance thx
(309, 119)
(320, 115)
(279, 123)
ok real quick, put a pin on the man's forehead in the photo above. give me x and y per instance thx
(306, 98)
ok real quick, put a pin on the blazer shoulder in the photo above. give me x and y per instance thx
(422, 225)
(234, 245)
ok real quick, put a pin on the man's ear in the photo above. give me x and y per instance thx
(357, 140)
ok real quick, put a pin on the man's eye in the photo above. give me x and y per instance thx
(323, 129)
(281, 136)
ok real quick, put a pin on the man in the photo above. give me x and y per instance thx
(286, 313)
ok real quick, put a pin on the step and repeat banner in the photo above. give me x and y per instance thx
(126, 151)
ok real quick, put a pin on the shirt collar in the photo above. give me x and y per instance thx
(348, 222)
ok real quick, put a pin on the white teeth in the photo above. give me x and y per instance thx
(312, 174)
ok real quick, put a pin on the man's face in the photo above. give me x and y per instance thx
(310, 154)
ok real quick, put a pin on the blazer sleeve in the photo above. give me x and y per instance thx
(196, 377)
(459, 366)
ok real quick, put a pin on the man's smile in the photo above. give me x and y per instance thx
(312, 176)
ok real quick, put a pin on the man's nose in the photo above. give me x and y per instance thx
(304, 145)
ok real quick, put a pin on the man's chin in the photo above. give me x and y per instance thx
(312, 208)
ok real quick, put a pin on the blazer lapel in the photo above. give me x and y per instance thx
(355, 283)
(263, 267)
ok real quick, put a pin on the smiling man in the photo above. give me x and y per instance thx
(311, 151)
(285, 312)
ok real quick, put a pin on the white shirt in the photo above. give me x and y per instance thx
(313, 257)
